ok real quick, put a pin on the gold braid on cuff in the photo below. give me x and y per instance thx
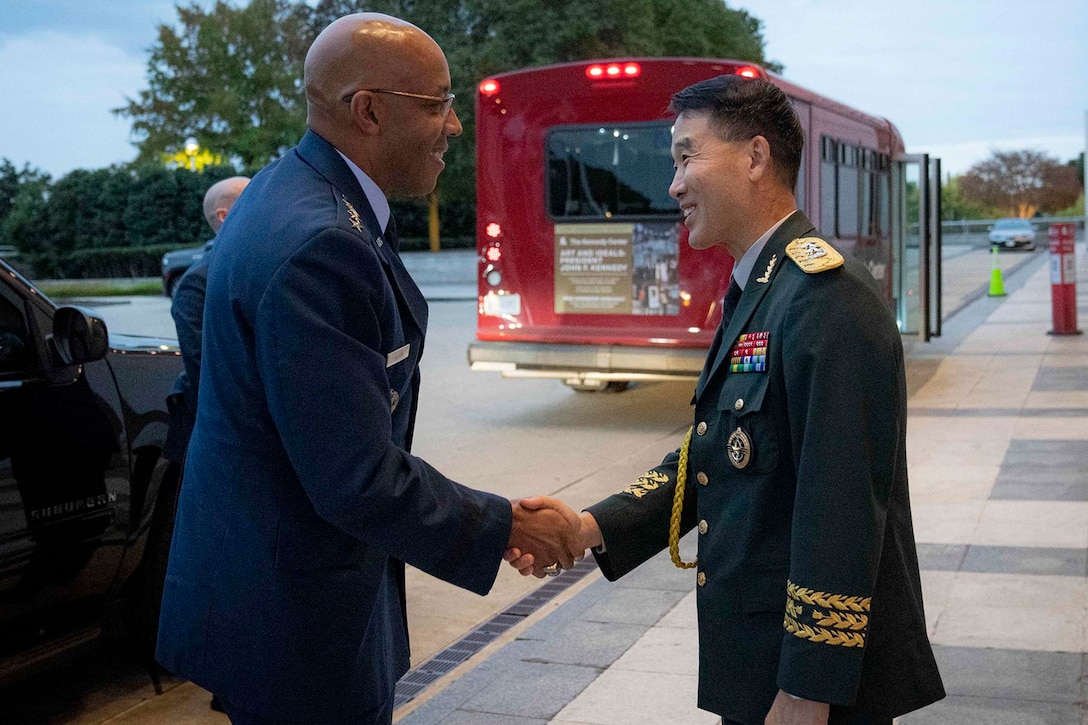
(678, 506)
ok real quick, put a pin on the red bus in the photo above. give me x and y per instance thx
(585, 273)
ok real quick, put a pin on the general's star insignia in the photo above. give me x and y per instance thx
(767, 275)
(353, 215)
(813, 254)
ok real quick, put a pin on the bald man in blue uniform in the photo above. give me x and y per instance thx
(302, 502)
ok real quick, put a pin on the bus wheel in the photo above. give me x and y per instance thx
(600, 386)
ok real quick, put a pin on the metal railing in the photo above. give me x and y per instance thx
(981, 226)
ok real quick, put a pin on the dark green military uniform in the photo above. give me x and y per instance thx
(797, 480)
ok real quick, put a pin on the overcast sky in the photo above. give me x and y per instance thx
(959, 78)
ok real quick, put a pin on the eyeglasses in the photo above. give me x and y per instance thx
(446, 100)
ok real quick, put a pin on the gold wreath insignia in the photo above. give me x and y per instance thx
(767, 275)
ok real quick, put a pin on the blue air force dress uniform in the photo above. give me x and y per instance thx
(285, 588)
(187, 309)
(807, 570)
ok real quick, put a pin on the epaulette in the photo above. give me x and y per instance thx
(813, 254)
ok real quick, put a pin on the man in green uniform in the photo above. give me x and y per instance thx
(809, 600)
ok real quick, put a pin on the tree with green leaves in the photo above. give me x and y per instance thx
(12, 184)
(23, 214)
(1021, 183)
(231, 78)
(165, 205)
(1077, 165)
(954, 205)
(1077, 207)
(512, 34)
(103, 214)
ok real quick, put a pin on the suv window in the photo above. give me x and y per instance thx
(16, 352)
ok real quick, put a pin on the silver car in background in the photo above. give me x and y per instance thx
(1013, 234)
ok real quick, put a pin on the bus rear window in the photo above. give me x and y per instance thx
(610, 172)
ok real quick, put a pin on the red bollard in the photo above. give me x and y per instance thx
(1063, 280)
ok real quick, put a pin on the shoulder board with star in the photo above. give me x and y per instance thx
(353, 215)
(813, 255)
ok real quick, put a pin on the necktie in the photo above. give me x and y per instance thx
(729, 304)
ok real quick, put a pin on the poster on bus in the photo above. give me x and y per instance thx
(655, 282)
(617, 269)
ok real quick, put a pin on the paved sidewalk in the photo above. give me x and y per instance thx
(998, 456)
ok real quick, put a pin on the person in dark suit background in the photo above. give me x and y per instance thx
(187, 309)
(285, 589)
(808, 589)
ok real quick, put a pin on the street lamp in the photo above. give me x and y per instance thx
(191, 147)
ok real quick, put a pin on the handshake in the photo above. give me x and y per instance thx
(548, 536)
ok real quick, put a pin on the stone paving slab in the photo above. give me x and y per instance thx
(960, 710)
(1063, 378)
(1044, 470)
(1007, 559)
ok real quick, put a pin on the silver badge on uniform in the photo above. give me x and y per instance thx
(394, 400)
(739, 449)
(353, 216)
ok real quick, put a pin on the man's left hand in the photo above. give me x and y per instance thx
(787, 711)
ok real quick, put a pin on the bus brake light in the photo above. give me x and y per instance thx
(493, 254)
(489, 87)
(493, 230)
(747, 71)
(599, 71)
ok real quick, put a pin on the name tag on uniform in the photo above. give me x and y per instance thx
(397, 355)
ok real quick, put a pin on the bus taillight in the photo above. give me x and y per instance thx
(492, 255)
(489, 87)
(603, 71)
(747, 71)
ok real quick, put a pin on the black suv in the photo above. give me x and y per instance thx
(86, 501)
(175, 263)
